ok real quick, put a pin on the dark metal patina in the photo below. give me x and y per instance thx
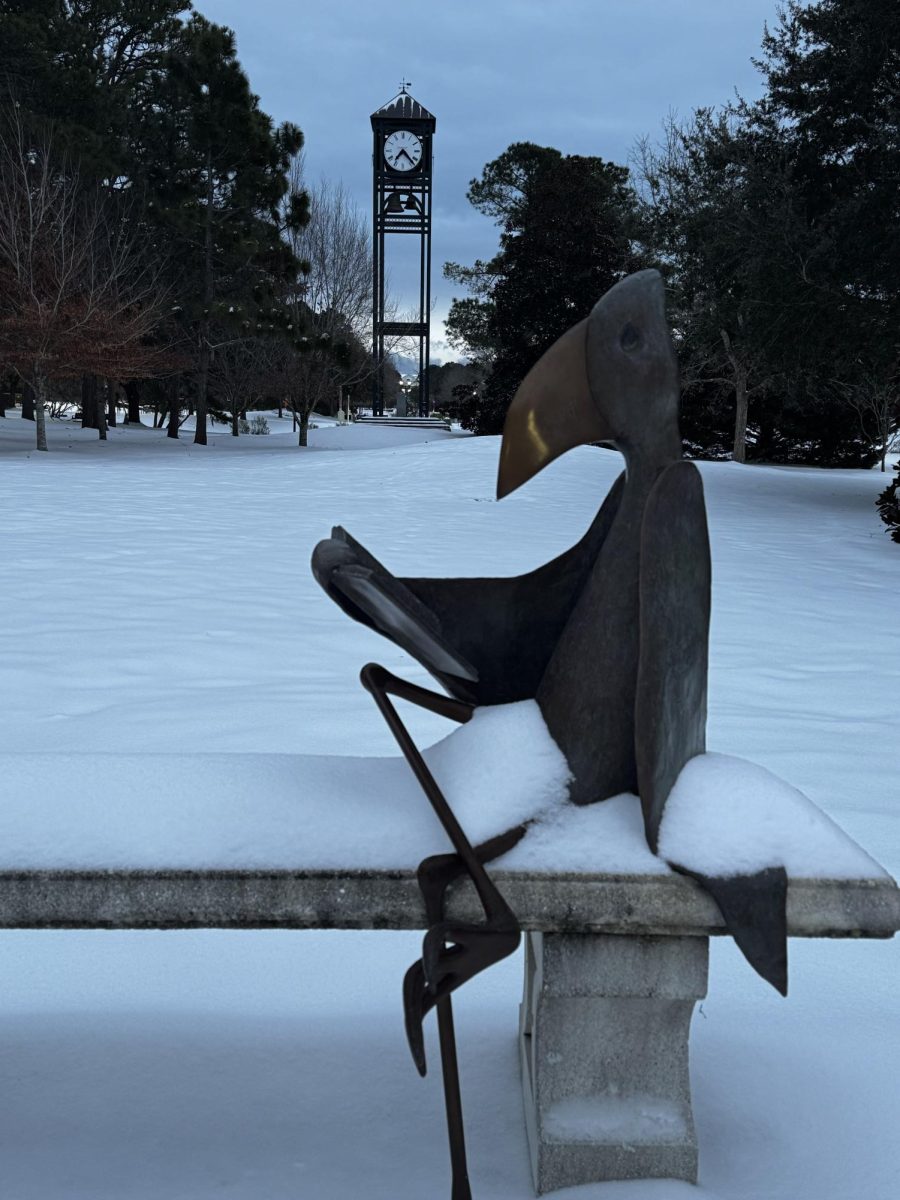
(610, 638)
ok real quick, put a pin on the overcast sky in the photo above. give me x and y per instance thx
(585, 76)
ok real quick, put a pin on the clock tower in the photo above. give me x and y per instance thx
(401, 204)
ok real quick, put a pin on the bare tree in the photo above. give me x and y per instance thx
(699, 210)
(876, 402)
(336, 296)
(335, 301)
(76, 297)
(241, 372)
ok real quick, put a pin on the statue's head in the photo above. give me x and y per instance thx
(612, 378)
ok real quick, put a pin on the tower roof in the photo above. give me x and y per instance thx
(403, 107)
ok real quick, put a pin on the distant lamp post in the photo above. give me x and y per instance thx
(408, 384)
(343, 397)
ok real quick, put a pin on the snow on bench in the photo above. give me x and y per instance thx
(133, 841)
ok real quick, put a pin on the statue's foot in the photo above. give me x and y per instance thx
(452, 954)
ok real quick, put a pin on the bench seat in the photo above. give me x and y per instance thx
(616, 945)
(630, 904)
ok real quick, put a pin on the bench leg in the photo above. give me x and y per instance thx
(604, 1027)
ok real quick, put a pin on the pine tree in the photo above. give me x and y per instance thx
(564, 242)
(89, 67)
(147, 104)
(776, 222)
(889, 506)
(218, 174)
(87, 70)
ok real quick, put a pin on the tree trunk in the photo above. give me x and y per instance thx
(203, 378)
(202, 386)
(133, 394)
(234, 423)
(101, 410)
(89, 402)
(40, 416)
(174, 408)
(27, 402)
(741, 407)
(304, 427)
(110, 404)
(280, 408)
(741, 397)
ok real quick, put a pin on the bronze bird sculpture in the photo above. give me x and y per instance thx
(610, 638)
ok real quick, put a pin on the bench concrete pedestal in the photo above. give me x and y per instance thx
(604, 1028)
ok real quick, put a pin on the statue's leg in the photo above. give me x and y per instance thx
(452, 952)
(435, 875)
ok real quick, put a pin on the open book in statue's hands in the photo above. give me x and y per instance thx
(369, 593)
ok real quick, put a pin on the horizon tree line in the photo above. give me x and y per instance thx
(775, 226)
(158, 239)
(157, 235)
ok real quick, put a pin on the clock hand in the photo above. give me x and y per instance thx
(402, 151)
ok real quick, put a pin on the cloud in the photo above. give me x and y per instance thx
(586, 76)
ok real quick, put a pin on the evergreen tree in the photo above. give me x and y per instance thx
(718, 214)
(90, 67)
(889, 506)
(157, 107)
(832, 71)
(564, 241)
(217, 169)
(775, 222)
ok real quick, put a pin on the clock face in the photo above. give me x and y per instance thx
(402, 150)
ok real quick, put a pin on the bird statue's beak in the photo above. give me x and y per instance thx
(551, 412)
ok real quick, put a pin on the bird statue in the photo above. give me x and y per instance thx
(610, 639)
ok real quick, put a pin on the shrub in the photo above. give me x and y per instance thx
(889, 506)
(259, 424)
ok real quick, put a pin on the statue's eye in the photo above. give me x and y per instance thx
(630, 339)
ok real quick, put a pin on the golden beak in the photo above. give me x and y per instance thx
(551, 412)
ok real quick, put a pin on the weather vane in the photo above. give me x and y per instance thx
(404, 84)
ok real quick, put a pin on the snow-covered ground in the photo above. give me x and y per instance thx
(157, 597)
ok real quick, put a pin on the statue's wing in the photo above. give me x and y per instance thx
(670, 705)
(486, 640)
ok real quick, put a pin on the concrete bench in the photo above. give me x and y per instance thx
(614, 965)
(616, 956)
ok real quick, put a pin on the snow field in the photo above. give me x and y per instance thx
(157, 598)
